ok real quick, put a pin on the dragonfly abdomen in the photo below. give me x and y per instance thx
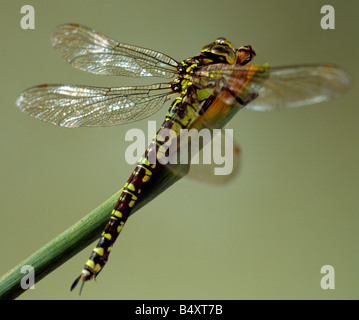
(179, 116)
(130, 194)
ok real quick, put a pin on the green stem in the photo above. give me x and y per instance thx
(75, 238)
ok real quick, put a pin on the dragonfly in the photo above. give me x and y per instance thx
(207, 90)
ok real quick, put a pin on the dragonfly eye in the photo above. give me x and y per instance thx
(220, 50)
(245, 55)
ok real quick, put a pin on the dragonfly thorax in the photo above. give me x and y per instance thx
(221, 50)
(184, 70)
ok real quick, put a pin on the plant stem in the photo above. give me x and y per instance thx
(75, 238)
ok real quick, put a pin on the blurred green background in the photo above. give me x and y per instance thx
(292, 210)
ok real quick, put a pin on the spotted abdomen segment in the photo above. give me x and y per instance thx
(130, 194)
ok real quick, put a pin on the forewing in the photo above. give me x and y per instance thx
(239, 84)
(75, 106)
(91, 51)
(289, 87)
(277, 88)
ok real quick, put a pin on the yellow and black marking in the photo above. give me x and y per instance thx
(184, 109)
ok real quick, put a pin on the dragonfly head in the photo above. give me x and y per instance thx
(220, 50)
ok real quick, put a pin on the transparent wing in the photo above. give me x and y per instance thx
(208, 154)
(91, 51)
(289, 87)
(220, 173)
(224, 164)
(277, 88)
(75, 106)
